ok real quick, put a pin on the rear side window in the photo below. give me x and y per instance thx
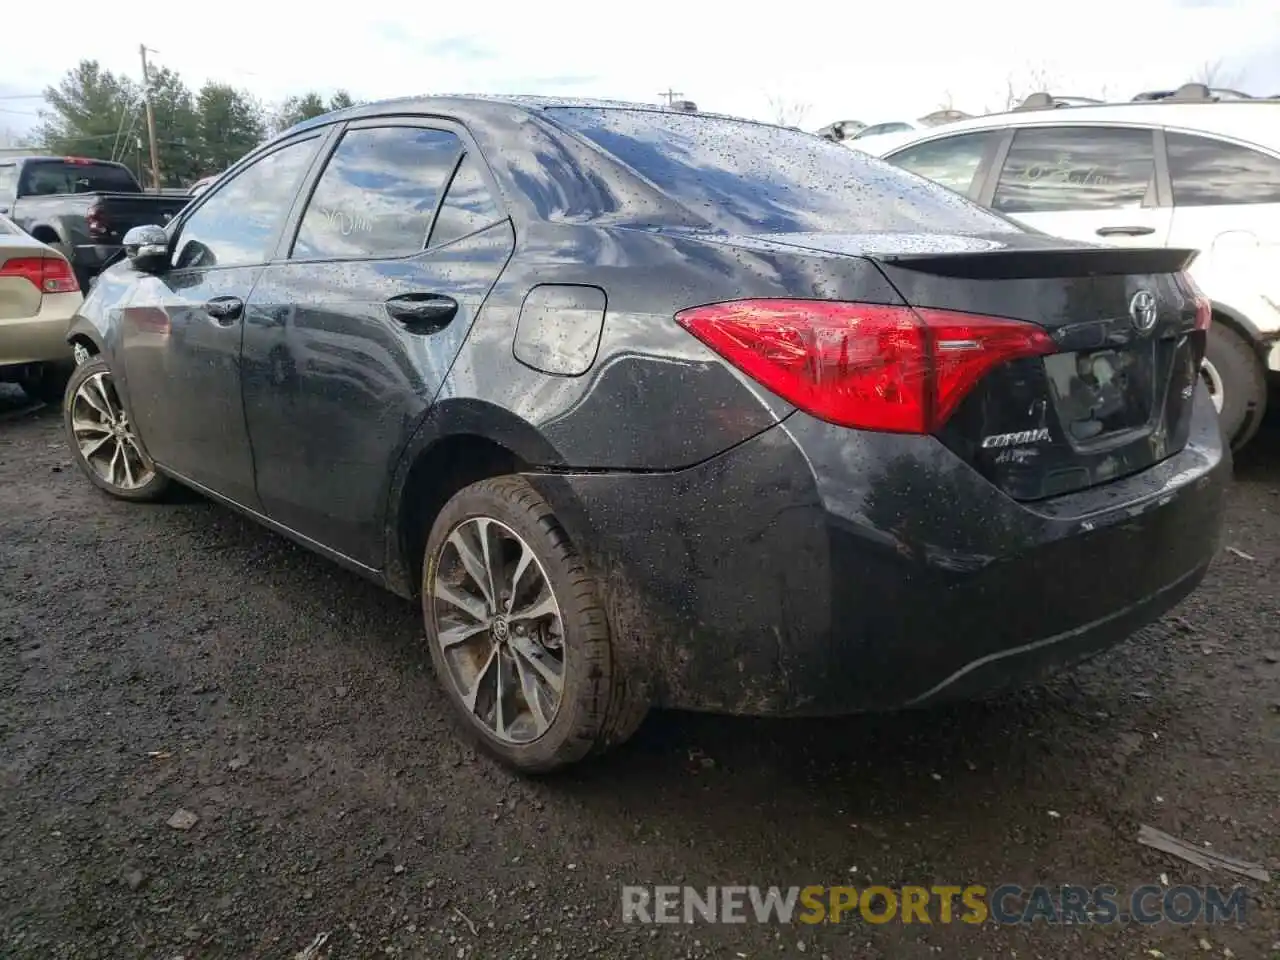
(1076, 168)
(1206, 172)
(44, 177)
(468, 206)
(238, 223)
(753, 178)
(377, 194)
(951, 161)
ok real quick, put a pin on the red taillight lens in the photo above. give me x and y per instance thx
(48, 274)
(95, 219)
(860, 365)
(1204, 313)
(1204, 309)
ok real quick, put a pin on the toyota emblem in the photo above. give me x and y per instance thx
(1142, 309)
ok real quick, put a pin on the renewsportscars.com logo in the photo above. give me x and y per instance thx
(1006, 904)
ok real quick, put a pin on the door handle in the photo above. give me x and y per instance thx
(225, 310)
(423, 312)
(1125, 231)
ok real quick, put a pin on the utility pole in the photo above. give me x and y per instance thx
(151, 119)
(670, 96)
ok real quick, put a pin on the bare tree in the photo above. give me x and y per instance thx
(1019, 86)
(1213, 73)
(787, 113)
(948, 102)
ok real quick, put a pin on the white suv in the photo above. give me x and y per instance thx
(1200, 175)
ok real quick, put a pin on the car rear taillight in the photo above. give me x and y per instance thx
(48, 274)
(869, 366)
(96, 220)
(1204, 308)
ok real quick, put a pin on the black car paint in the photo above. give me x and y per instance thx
(759, 560)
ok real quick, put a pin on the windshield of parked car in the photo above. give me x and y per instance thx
(756, 178)
(42, 177)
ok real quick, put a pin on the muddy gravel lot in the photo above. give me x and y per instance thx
(177, 657)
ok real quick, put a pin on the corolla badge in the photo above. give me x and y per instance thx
(1142, 310)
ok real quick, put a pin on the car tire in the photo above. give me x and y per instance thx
(48, 384)
(1232, 367)
(596, 706)
(102, 440)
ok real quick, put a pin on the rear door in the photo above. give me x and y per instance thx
(1095, 183)
(350, 333)
(181, 330)
(1226, 203)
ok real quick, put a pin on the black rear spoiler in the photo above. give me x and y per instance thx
(1014, 264)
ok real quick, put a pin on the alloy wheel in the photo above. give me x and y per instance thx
(1213, 381)
(499, 628)
(105, 437)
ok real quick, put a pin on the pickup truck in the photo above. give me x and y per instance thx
(81, 207)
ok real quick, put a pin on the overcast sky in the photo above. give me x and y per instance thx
(858, 59)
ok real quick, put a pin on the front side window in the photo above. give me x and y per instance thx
(1076, 168)
(1206, 172)
(237, 224)
(378, 194)
(8, 182)
(951, 161)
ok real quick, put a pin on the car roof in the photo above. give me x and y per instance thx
(41, 158)
(1248, 121)
(481, 106)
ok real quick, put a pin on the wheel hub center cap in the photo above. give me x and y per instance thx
(501, 629)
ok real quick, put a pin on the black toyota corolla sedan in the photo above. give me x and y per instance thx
(656, 408)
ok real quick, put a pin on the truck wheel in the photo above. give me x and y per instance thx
(518, 633)
(1237, 383)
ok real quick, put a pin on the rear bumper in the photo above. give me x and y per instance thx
(816, 570)
(43, 337)
(91, 259)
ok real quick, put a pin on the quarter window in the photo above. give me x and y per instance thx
(377, 194)
(1206, 172)
(468, 205)
(951, 161)
(1076, 168)
(237, 224)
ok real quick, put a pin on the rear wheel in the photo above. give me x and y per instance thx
(518, 633)
(1237, 383)
(102, 438)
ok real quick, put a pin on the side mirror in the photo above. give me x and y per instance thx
(147, 247)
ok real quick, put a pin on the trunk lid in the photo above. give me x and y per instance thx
(1116, 397)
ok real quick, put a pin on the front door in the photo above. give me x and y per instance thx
(350, 336)
(1091, 183)
(181, 330)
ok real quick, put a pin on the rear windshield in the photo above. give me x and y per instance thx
(755, 178)
(42, 177)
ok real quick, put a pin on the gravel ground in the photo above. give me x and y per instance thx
(179, 657)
